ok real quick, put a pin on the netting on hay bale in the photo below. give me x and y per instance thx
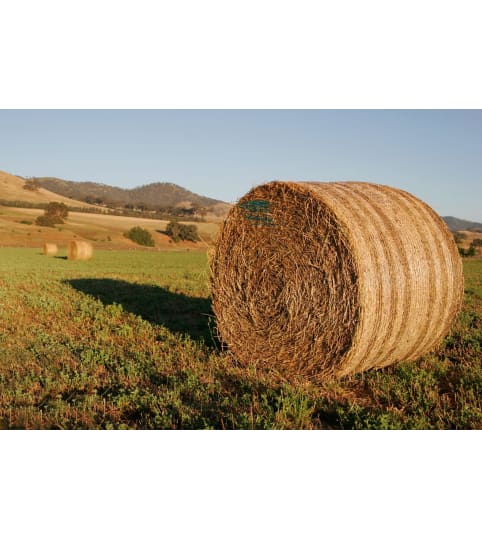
(50, 249)
(328, 279)
(79, 251)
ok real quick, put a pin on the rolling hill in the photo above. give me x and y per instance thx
(104, 231)
(456, 224)
(155, 195)
(159, 194)
(12, 189)
(165, 194)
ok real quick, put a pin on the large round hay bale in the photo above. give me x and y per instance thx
(327, 279)
(79, 251)
(50, 249)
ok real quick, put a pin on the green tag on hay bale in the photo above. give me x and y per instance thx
(257, 211)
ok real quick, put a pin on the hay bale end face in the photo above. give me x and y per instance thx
(50, 249)
(79, 251)
(327, 279)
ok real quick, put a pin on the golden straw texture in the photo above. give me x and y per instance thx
(328, 279)
(79, 251)
(50, 249)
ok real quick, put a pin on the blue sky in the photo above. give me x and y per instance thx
(434, 154)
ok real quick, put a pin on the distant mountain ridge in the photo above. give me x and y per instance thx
(12, 189)
(158, 194)
(456, 224)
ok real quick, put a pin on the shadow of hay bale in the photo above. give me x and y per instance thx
(178, 312)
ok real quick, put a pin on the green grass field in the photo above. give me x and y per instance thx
(126, 341)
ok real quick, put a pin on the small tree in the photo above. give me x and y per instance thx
(177, 232)
(140, 236)
(190, 233)
(173, 231)
(470, 252)
(45, 221)
(57, 211)
(31, 185)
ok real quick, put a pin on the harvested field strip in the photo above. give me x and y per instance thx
(124, 341)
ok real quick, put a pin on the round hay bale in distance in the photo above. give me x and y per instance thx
(327, 279)
(79, 251)
(50, 249)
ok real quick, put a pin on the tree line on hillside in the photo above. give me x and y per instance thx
(182, 211)
(160, 214)
(193, 210)
(192, 213)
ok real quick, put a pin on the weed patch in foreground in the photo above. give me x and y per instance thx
(125, 342)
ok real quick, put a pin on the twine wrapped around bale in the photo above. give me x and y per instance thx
(327, 279)
(79, 251)
(50, 249)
